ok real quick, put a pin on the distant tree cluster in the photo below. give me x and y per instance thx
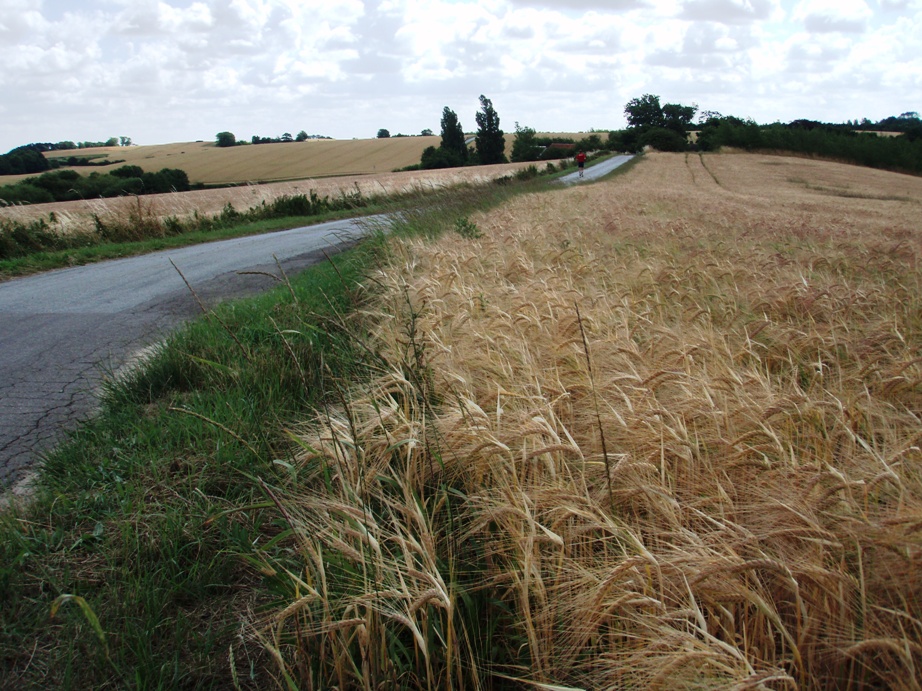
(666, 128)
(663, 127)
(23, 160)
(902, 153)
(28, 159)
(67, 145)
(453, 151)
(227, 139)
(489, 141)
(386, 134)
(68, 185)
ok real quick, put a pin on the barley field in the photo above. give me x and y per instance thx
(658, 432)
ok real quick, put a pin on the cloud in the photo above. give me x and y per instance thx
(728, 11)
(582, 5)
(707, 47)
(158, 70)
(826, 16)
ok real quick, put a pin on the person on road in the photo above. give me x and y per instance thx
(581, 162)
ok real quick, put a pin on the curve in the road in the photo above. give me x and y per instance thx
(62, 331)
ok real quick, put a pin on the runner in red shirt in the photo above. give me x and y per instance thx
(581, 162)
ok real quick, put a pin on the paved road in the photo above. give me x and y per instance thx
(595, 170)
(62, 331)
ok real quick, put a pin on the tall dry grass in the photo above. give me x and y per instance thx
(661, 431)
(80, 216)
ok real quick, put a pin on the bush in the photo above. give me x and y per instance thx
(127, 172)
(527, 173)
(25, 193)
(225, 139)
(663, 139)
(68, 185)
(119, 187)
(467, 229)
(435, 158)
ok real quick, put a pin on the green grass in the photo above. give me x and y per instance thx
(148, 526)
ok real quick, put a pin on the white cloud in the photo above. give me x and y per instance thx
(582, 5)
(167, 70)
(823, 16)
(728, 11)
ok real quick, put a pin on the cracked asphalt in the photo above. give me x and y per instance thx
(63, 332)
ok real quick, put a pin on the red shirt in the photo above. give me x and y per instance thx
(580, 157)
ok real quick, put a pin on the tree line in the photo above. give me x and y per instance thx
(69, 185)
(488, 145)
(900, 153)
(228, 139)
(385, 133)
(28, 159)
(668, 126)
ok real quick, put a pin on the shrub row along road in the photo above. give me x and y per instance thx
(61, 332)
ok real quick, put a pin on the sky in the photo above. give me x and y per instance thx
(162, 71)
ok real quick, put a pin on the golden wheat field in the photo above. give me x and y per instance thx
(676, 418)
(79, 216)
(208, 164)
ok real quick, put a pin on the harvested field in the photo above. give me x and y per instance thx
(662, 431)
(79, 215)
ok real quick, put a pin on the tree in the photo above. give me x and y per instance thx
(490, 143)
(525, 145)
(124, 141)
(664, 139)
(286, 137)
(453, 137)
(644, 112)
(426, 133)
(650, 119)
(383, 134)
(23, 160)
(678, 118)
(226, 139)
(302, 136)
